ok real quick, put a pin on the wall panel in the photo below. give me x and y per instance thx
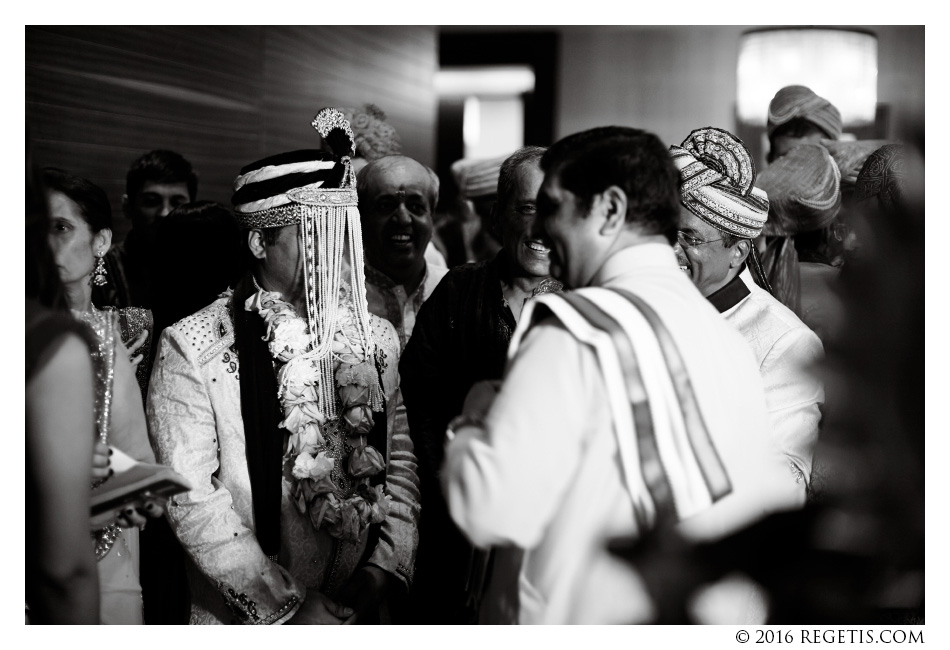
(672, 79)
(391, 67)
(98, 97)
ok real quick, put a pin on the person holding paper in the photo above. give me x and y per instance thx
(80, 217)
(61, 582)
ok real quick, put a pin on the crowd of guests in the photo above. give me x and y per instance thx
(604, 369)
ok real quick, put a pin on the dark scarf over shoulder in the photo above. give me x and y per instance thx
(261, 412)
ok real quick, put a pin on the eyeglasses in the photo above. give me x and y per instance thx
(689, 241)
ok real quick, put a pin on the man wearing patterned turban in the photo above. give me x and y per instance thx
(805, 198)
(280, 403)
(722, 213)
(374, 136)
(882, 177)
(797, 115)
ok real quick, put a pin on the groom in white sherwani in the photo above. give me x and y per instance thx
(280, 403)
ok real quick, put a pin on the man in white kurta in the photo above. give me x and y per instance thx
(545, 469)
(786, 351)
(715, 247)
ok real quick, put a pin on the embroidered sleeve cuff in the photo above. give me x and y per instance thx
(401, 573)
(245, 610)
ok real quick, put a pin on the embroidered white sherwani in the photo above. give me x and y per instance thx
(545, 473)
(785, 349)
(194, 418)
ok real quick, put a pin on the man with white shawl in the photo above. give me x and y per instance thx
(723, 212)
(628, 403)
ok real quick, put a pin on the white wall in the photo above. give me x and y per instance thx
(672, 79)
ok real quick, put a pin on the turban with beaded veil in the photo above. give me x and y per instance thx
(793, 102)
(717, 177)
(317, 190)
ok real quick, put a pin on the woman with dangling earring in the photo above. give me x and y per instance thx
(80, 234)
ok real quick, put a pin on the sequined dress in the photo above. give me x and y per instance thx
(117, 549)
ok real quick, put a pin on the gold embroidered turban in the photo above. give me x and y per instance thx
(717, 176)
(801, 102)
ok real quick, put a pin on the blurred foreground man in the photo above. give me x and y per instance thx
(722, 213)
(460, 338)
(628, 403)
(397, 197)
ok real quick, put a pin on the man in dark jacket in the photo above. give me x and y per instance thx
(461, 337)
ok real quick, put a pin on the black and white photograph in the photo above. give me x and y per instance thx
(476, 324)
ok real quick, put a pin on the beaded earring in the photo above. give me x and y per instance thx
(99, 274)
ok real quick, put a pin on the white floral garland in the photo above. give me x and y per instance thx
(298, 379)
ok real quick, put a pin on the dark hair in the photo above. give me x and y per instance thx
(92, 200)
(160, 166)
(506, 176)
(197, 256)
(728, 241)
(42, 277)
(636, 161)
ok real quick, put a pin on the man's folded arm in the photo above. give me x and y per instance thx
(184, 436)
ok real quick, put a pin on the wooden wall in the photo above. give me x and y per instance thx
(98, 97)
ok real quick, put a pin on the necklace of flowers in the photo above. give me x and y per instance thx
(314, 436)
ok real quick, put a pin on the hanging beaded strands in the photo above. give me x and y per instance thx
(105, 326)
(328, 384)
(331, 213)
(326, 209)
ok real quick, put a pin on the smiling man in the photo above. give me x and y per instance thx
(628, 403)
(460, 338)
(722, 212)
(397, 197)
